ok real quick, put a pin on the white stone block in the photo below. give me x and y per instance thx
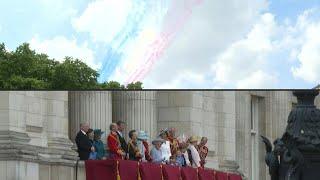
(196, 115)
(168, 114)
(12, 168)
(184, 114)
(196, 129)
(17, 101)
(35, 120)
(228, 107)
(4, 117)
(56, 108)
(230, 95)
(208, 103)
(33, 104)
(163, 99)
(44, 172)
(32, 172)
(17, 119)
(183, 98)
(197, 100)
(4, 100)
(57, 95)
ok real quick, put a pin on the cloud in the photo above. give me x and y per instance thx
(60, 47)
(306, 33)
(212, 27)
(184, 80)
(240, 62)
(257, 80)
(103, 19)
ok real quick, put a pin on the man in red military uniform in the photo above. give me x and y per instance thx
(114, 144)
(174, 143)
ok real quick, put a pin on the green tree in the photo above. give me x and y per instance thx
(25, 69)
(111, 85)
(135, 86)
(74, 74)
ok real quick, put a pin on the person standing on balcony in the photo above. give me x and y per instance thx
(120, 132)
(165, 147)
(174, 144)
(93, 154)
(147, 151)
(142, 137)
(193, 153)
(98, 144)
(156, 152)
(134, 152)
(116, 152)
(83, 142)
(203, 150)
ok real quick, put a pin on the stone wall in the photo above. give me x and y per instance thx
(36, 127)
(94, 107)
(275, 107)
(203, 113)
(137, 108)
(34, 133)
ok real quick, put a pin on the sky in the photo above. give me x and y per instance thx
(176, 43)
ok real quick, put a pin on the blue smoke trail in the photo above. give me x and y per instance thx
(131, 29)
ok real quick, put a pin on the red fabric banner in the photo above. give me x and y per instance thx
(101, 170)
(205, 174)
(235, 177)
(128, 170)
(150, 171)
(189, 173)
(171, 172)
(221, 175)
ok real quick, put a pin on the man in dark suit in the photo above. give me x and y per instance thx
(124, 145)
(83, 143)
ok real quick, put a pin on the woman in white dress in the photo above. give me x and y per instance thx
(194, 156)
(165, 147)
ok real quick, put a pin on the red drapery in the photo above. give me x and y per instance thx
(150, 171)
(205, 174)
(128, 170)
(189, 173)
(171, 172)
(132, 170)
(221, 176)
(234, 177)
(99, 170)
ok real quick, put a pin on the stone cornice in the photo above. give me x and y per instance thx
(14, 146)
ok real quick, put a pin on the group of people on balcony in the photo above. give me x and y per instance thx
(167, 149)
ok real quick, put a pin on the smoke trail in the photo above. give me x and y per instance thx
(163, 41)
(131, 29)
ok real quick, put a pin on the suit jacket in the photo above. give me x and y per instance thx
(123, 143)
(84, 146)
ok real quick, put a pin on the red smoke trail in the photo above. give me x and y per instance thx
(158, 47)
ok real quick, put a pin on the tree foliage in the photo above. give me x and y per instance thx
(24, 69)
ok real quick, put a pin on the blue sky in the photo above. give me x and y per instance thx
(209, 44)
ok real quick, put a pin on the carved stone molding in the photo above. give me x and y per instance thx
(14, 146)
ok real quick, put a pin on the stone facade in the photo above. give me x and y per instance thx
(94, 107)
(36, 128)
(138, 109)
(34, 138)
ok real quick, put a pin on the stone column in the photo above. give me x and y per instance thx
(33, 136)
(92, 106)
(137, 108)
(59, 143)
